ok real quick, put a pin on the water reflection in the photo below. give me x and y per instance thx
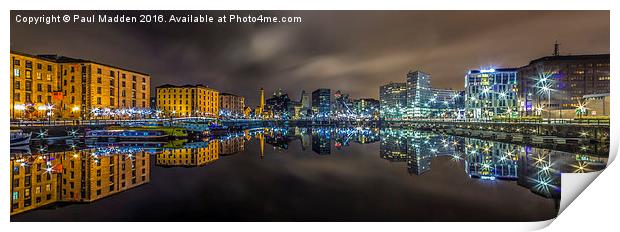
(74, 176)
(101, 170)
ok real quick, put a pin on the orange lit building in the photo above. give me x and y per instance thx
(74, 176)
(192, 155)
(44, 86)
(188, 100)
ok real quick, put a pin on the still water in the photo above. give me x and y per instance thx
(296, 174)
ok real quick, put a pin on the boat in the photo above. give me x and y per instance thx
(127, 134)
(19, 138)
(170, 131)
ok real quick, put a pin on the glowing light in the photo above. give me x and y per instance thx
(19, 107)
(75, 108)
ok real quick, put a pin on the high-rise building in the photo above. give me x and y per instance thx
(321, 103)
(393, 101)
(491, 93)
(188, 100)
(231, 105)
(418, 94)
(52, 86)
(558, 83)
(443, 103)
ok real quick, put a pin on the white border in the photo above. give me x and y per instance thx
(595, 209)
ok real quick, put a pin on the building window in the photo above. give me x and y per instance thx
(39, 66)
(98, 70)
(99, 100)
(49, 68)
(99, 80)
(16, 72)
(72, 69)
(16, 62)
(111, 73)
(17, 85)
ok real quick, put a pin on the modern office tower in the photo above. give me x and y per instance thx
(52, 86)
(418, 94)
(321, 103)
(366, 108)
(393, 101)
(443, 103)
(555, 85)
(191, 155)
(188, 100)
(491, 93)
(231, 106)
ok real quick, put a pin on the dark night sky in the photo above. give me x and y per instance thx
(356, 51)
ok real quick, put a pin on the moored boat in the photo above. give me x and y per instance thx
(20, 138)
(127, 134)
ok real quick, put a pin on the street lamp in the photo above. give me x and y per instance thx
(544, 83)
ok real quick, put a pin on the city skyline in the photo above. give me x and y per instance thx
(274, 56)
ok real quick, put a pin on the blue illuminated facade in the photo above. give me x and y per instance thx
(491, 93)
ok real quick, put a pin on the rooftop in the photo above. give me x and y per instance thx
(63, 59)
(491, 70)
(572, 57)
(182, 86)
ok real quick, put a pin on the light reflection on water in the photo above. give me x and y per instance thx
(52, 179)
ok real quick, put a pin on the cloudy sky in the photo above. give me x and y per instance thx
(355, 51)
